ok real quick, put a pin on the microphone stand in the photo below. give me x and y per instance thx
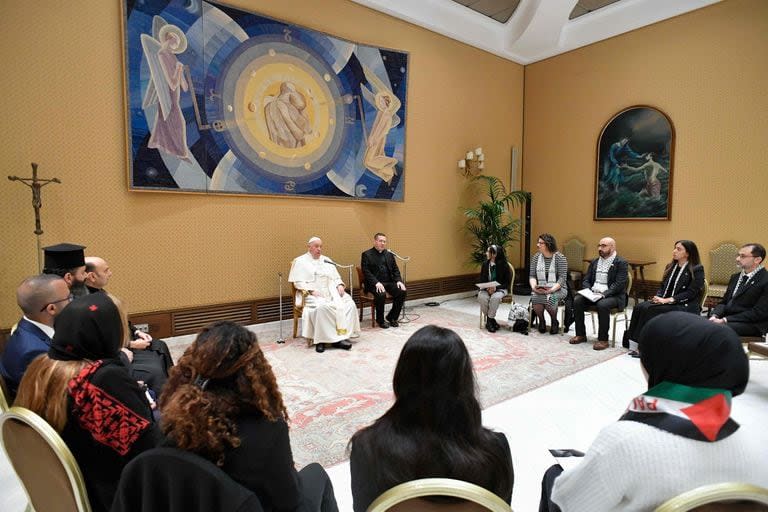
(403, 316)
(280, 339)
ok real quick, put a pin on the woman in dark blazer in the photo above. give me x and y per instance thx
(680, 290)
(495, 268)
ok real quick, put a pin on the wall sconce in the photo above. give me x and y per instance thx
(473, 163)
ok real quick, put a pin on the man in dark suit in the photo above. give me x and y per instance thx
(744, 307)
(382, 276)
(41, 298)
(606, 277)
(151, 358)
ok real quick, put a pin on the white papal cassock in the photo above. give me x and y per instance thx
(329, 317)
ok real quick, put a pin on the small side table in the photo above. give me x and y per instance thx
(636, 265)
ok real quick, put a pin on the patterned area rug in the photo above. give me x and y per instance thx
(330, 396)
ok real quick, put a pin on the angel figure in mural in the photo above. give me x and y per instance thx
(169, 130)
(287, 122)
(387, 104)
(618, 152)
(651, 168)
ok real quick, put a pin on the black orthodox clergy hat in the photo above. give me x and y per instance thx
(64, 256)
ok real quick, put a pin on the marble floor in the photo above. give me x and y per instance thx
(567, 413)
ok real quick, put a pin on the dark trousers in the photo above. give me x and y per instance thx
(317, 489)
(151, 365)
(379, 299)
(547, 483)
(603, 307)
(744, 329)
(643, 312)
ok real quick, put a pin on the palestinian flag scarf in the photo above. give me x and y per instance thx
(702, 414)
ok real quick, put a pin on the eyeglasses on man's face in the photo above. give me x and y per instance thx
(68, 298)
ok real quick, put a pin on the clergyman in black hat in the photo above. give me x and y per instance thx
(68, 261)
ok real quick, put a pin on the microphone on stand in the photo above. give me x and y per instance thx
(280, 340)
(331, 262)
(395, 254)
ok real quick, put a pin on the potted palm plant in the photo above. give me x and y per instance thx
(491, 222)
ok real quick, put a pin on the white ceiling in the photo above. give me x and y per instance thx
(539, 28)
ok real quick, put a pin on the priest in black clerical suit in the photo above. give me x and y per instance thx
(744, 307)
(382, 276)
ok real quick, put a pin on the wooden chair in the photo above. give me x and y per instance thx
(366, 298)
(48, 472)
(729, 496)
(721, 268)
(507, 299)
(407, 497)
(757, 347)
(704, 295)
(194, 484)
(616, 313)
(574, 250)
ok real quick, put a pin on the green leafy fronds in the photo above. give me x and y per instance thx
(490, 222)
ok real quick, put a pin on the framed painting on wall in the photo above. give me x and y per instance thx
(220, 100)
(633, 180)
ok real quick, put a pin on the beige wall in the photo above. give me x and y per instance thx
(62, 107)
(708, 71)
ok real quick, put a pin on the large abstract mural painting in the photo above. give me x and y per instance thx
(225, 101)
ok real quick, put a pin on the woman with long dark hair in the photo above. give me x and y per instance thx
(85, 392)
(495, 268)
(222, 402)
(680, 290)
(547, 277)
(434, 427)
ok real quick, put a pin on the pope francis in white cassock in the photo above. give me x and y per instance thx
(330, 314)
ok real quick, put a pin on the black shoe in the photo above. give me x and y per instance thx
(343, 344)
(494, 323)
(633, 353)
(384, 324)
(394, 323)
(320, 348)
(555, 327)
(542, 325)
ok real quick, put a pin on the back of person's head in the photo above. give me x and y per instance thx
(688, 349)
(90, 328)
(222, 375)
(434, 428)
(434, 383)
(43, 388)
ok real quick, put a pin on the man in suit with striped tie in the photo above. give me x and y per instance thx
(744, 307)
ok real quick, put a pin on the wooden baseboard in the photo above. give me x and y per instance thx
(175, 322)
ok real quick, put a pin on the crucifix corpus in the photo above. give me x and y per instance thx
(36, 184)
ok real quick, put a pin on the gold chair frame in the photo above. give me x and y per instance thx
(614, 319)
(716, 493)
(299, 298)
(4, 405)
(438, 487)
(38, 476)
